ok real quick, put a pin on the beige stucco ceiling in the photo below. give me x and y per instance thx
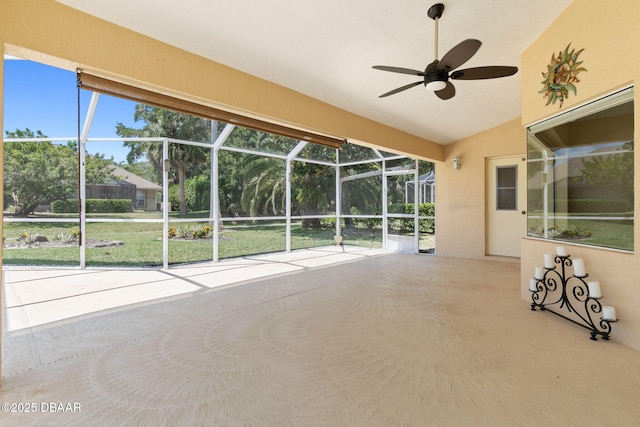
(325, 49)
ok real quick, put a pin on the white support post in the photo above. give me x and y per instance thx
(82, 171)
(545, 195)
(215, 186)
(288, 205)
(215, 213)
(416, 209)
(338, 196)
(385, 211)
(212, 194)
(292, 154)
(165, 204)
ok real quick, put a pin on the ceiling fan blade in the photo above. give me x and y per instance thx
(480, 73)
(399, 70)
(459, 54)
(447, 93)
(400, 89)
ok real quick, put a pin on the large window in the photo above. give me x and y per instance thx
(580, 175)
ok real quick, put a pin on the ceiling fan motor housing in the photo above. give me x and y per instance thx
(435, 76)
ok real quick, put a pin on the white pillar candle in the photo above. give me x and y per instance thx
(548, 261)
(578, 268)
(561, 251)
(539, 274)
(594, 289)
(609, 313)
(533, 285)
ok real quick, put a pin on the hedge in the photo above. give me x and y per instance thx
(93, 206)
(404, 224)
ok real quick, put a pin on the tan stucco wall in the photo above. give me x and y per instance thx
(461, 195)
(48, 32)
(608, 32)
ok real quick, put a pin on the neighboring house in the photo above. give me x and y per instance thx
(127, 185)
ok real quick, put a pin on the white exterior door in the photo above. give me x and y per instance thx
(506, 205)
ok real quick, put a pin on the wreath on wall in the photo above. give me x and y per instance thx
(561, 76)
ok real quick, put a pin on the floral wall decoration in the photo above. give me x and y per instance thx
(561, 76)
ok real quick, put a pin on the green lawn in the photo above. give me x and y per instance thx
(616, 234)
(142, 244)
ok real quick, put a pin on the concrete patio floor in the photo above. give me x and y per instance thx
(313, 337)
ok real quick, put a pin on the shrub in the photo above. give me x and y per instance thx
(108, 205)
(92, 206)
(203, 232)
(65, 237)
(425, 225)
(328, 222)
(29, 237)
(65, 206)
(190, 232)
(575, 231)
(197, 194)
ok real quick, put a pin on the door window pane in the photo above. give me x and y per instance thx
(506, 181)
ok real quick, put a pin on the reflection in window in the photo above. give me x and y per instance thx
(580, 175)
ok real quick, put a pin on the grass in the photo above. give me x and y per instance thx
(615, 234)
(143, 243)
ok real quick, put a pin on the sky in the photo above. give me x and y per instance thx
(45, 98)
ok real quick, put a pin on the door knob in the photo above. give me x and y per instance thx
(523, 212)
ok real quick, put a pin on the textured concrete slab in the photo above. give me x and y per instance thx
(385, 340)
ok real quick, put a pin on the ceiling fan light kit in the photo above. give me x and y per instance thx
(436, 85)
(437, 74)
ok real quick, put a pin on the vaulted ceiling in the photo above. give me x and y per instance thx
(325, 49)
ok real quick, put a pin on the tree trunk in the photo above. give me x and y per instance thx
(310, 222)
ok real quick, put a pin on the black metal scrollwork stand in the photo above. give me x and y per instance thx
(570, 293)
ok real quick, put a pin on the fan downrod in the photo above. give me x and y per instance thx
(435, 11)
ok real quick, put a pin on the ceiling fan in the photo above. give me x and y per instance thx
(438, 73)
